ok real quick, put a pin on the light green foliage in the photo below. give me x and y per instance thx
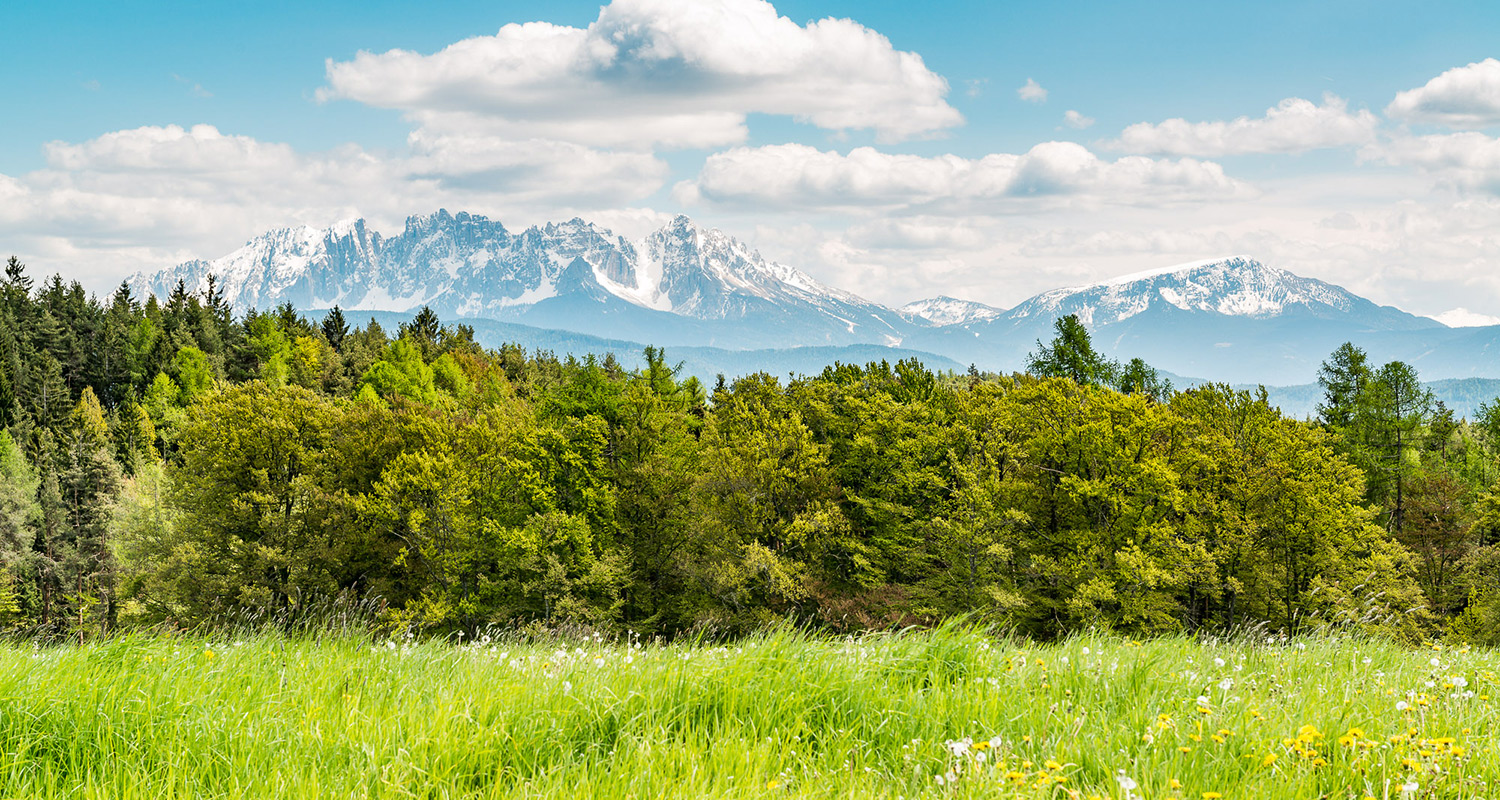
(459, 488)
(448, 376)
(272, 349)
(162, 404)
(766, 497)
(162, 396)
(402, 372)
(19, 512)
(161, 565)
(245, 494)
(194, 374)
(88, 419)
(305, 362)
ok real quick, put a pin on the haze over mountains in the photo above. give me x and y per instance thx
(1233, 319)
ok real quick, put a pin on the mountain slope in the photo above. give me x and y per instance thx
(703, 362)
(574, 275)
(1231, 319)
(945, 310)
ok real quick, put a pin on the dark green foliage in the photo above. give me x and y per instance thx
(165, 462)
(1071, 355)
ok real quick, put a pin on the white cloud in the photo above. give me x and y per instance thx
(1462, 97)
(1464, 318)
(1075, 120)
(656, 72)
(1032, 92)
(1295, 125)
(799, 176)
(1380, 233)
(1469, 160)
(151, 196)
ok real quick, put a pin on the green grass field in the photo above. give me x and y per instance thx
(927, 714)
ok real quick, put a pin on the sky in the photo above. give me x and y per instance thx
(982, 150)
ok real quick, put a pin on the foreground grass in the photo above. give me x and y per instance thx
(944, 713)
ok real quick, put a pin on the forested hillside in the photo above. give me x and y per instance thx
(166, 462)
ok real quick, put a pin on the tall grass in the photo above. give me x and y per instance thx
(950, 712)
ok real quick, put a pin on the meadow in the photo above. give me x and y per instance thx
(952, 712)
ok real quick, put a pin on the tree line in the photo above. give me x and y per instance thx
(165, 461)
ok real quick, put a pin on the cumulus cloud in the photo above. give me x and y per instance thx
(656, 73)
(1468, 161)
(1075, 120)
(1462, 97)
(1295, 125)
(168, 191)
(1032, 92)
(795, 175)
(1464, 318)
(1426, 256)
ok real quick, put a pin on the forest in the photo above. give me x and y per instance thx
(166, 462)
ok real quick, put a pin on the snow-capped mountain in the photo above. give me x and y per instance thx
(465, 265)
(945, 310)
(1238, 286)
(1230, 319)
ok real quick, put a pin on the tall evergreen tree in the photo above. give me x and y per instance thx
(335, 328)
(1071, 355)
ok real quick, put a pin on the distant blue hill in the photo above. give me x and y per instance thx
(706, 363)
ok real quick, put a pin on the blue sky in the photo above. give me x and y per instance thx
(146, 133)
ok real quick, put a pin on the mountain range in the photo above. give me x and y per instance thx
(1232, 319)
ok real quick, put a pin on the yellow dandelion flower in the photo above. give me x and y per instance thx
(1268, 760)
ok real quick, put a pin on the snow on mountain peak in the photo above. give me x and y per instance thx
(1120, 280)
(1234, 286)
(945, 310)
(468, 265)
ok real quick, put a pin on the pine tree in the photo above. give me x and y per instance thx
(335, 328)
(1343, 378)
(1071, 355)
